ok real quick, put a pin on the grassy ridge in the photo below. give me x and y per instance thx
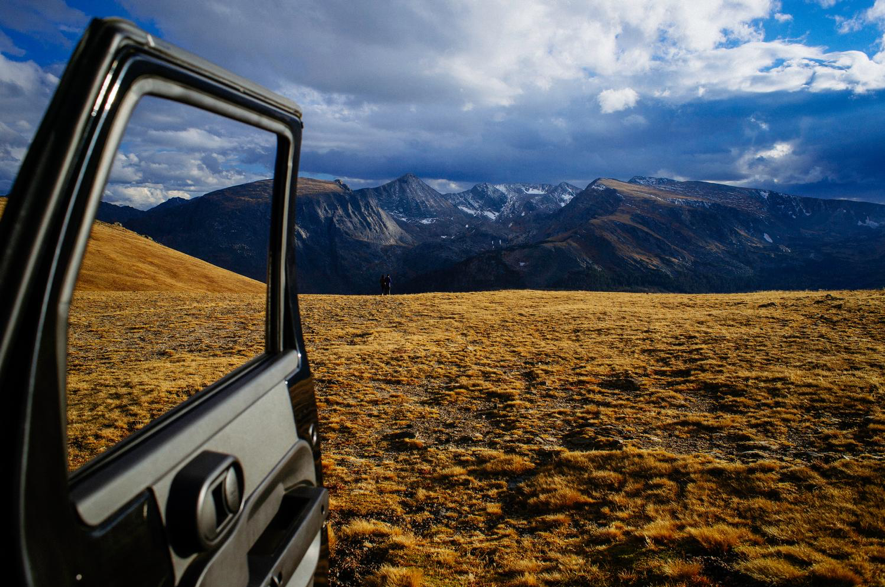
(120, 260)
(149, 326)
(529, 438)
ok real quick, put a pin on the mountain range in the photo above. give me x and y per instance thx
(645, 234)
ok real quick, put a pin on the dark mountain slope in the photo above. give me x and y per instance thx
(410, 199)
(228, 228)
(113, 213)
(344, 241)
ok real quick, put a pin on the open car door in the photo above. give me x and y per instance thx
(223, 489)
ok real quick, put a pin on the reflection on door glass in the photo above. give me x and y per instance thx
(171, 294)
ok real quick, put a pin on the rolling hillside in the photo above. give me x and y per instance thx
(118, 259)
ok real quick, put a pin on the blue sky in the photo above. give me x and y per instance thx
(784, 95)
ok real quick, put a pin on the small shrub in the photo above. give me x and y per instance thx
(682, 570)
(363, 528)
(508, 465)
(560, 499)
(660, 531)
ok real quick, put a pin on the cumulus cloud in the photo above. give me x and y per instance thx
(824, 3)
(172, 150)
(8, 47)
(783, 162)
(876, 15)
(447, 186)
(187, 138)
(617, 100)
(539, 48)
(777, 151)
(757, 121)
(849, 25)
(50, 18)
(636, 120)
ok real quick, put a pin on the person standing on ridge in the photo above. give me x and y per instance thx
(387, 284)
(383, 285)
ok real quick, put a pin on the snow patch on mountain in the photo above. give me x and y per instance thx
(685, 202)
(503, 201)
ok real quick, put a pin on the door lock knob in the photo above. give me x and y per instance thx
(232, 490)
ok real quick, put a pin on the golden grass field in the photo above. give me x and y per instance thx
(570, 438)
(547, 438)
(542, 438)
(149, 327)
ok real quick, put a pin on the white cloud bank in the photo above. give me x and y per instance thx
(500, 52)
(25, 90)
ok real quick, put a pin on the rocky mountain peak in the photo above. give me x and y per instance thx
(410, 199)
(410, 179)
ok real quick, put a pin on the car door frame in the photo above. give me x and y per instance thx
(60, 524)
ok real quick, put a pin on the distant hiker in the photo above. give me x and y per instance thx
(383, 285)
(387, 284)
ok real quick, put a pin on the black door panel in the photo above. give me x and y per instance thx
(225, 488)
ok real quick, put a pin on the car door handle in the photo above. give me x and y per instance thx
(204, 500)
(275, 556)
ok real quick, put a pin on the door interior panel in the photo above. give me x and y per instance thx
(224, 489)
(254, 422)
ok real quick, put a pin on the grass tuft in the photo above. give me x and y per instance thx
(721, 538)
(390, 576)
